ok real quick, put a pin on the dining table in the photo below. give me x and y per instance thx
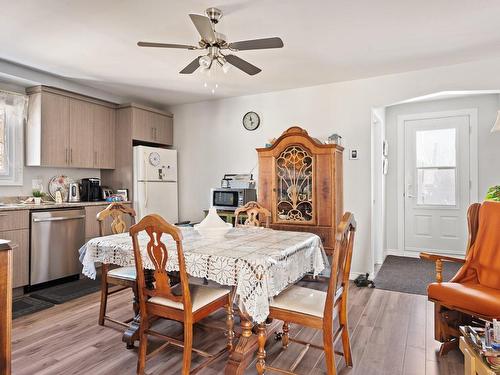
(258, 263)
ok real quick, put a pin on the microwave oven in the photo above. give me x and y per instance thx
(230, 199)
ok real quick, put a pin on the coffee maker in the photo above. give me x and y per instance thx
(91, 190)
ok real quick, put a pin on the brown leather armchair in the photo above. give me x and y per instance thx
(474, 292)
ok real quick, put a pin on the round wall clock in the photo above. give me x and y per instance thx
(251, 121)
(154, 159)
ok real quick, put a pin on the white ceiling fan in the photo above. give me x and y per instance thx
(216, 45)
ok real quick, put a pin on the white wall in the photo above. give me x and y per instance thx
(488, 150)
(212, 141)
(45, 174)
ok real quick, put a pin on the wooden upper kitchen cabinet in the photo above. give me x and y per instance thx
(61, 130)
(47, 132)
(151, 125)
(81, 133)
(104, 137)
(14, 226)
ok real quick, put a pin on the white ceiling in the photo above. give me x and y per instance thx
(94, 41)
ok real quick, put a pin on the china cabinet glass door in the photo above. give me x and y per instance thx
(294, 186)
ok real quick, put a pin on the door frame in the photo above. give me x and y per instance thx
(473, 163)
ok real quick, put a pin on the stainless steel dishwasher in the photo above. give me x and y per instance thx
(56, 236)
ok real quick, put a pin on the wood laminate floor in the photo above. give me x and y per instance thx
(391, 333)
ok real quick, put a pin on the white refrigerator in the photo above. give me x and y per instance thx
(155, 183)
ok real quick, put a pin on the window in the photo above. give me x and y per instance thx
(3, 145)
(12, 117)
(436, 167)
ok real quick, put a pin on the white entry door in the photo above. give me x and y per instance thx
(437, 184)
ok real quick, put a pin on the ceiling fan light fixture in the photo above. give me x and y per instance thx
(226, 67)
(205, 62)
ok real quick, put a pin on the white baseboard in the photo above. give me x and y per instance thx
(392, 252)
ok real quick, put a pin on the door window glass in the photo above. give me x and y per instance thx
(436, 167)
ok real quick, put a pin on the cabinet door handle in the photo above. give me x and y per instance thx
(152, 133)
(71, 155)
(66, 155)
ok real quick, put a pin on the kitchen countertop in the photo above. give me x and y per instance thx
(50, 205)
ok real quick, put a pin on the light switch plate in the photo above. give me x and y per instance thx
(353, 154)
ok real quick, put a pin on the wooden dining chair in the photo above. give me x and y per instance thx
(317, 309)
(120, 276)
(254, 212)
(183, 302)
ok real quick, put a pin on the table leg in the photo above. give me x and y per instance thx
(244, 350)
(242, 354)
(131, 334)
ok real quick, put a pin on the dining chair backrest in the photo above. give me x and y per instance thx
(254, 212)
(341, 263)
(155, 226)
(116, 211)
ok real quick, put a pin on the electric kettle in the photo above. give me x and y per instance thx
(74, 192)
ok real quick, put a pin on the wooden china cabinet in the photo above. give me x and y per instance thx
(300, 181)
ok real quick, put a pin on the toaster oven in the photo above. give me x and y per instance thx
(230, 199)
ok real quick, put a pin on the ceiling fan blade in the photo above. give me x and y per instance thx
(242, 65)
(192, 66)
(257, 44)
(204, 27)
(165, 45)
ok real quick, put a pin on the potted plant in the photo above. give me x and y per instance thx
(493, 194)
(37, 195)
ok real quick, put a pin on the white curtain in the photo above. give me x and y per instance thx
(13, 110)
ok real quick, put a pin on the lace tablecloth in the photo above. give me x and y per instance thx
(259, 262)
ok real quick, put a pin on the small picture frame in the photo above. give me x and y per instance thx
(123, 193)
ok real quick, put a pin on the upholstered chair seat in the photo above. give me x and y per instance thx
(200, 296)
(302, 300)
(127, 273)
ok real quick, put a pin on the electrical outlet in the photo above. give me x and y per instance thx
(353, 154)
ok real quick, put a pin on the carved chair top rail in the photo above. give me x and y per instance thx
(155, 226)
(254, 211)
(115, 210)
